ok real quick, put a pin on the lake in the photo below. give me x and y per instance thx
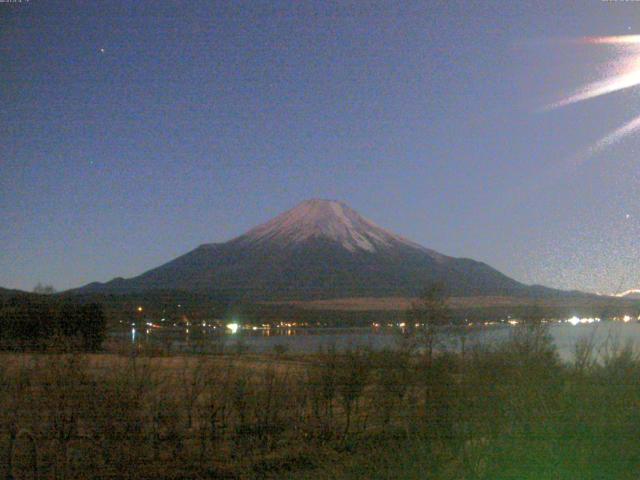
(605, 335)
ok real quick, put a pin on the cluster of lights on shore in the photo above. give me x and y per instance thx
(575, 320)
(234, 327)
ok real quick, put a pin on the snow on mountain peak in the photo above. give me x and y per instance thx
(326, 219)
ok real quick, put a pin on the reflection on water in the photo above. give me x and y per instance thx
(310, 340)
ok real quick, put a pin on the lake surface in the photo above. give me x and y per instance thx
(604, 335)
(565, 336)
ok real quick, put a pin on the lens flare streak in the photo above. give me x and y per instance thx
(603, 87)
(616, 135)
(612, 40)
(624, 73)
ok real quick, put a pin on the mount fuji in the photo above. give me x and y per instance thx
(320, 249)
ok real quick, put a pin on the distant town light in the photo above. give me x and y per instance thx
(139, 309)
(233, 327)
(575, 320)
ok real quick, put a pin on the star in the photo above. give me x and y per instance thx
(102, 50)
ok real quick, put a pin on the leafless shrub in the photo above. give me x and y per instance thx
(213, 410)
(585, 354)
(352, 377)
(25, 465)
(15, 384)
(192, 380)
(392, 380)
(321, 382)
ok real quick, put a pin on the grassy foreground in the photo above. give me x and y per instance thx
(512, 411)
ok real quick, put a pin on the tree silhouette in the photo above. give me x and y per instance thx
(427, 315)
(44, 289)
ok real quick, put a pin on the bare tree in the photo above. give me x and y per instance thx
(44, 289)
(353, 375)
(193, 378)
(426, 317)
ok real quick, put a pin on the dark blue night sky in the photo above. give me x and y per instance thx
(131, 132)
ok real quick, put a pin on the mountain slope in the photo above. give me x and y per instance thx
(7, 293)
(319, 249)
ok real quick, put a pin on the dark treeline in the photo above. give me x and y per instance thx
(177, 306)
(258, 313)
(44, 321)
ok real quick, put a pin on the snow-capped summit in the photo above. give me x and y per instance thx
(633, 293)
(329, 220)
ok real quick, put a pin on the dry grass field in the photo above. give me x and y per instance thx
(512, 411)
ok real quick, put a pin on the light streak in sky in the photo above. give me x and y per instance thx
(606, 141)
(623, 73)
(609, 85)
(613, 40)
(616, 135)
